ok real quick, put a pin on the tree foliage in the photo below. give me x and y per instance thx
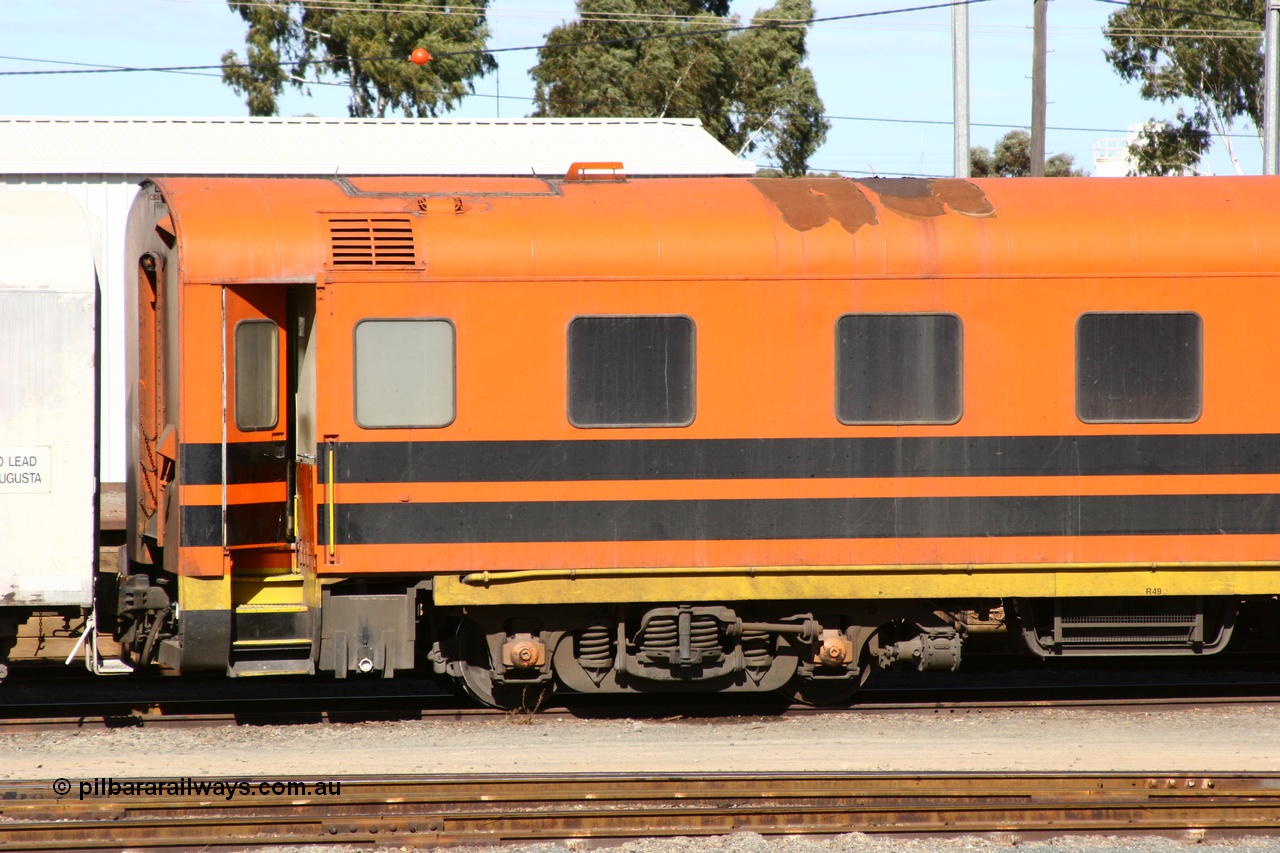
(1170, 146)
(1214, 63)
(750, 88)
(1012, 159)
(297, 43)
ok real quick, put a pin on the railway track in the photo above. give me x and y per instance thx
(56, 698)
(188, 711)
(160, 719)
(443, 811)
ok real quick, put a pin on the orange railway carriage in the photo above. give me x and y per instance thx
(696, 433)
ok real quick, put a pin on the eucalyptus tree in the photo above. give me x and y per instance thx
(1205, 56)
(690, 58)
(365, 46)
(1012, 159)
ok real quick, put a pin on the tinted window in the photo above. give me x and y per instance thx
(404, 373)
(898, 369)
(631, 371)
(1138, 367)
(257, 374)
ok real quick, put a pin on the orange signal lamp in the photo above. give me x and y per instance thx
(420, 56)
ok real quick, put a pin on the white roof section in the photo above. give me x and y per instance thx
(319, 146)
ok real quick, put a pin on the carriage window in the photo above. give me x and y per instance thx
(257, 374)
(631, 371)
(404, 373)
(1133, 368)
(898, 369)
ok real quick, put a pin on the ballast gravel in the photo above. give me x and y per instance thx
(1194, 739)
(1233, 738)
(749, 842)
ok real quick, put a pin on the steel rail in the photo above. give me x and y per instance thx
(492, 809)
(94, 717)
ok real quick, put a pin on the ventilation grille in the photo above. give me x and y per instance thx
(363, 242)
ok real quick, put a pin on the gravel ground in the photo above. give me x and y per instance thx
(1224, 739)
(747, 842)
(1193, 740)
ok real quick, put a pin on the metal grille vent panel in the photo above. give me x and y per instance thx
(366, 242)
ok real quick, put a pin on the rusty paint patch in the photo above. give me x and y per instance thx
(964, 197)
(910, 197)
(807, 203)
(923, 198)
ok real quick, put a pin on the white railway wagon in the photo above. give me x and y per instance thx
(48, 406)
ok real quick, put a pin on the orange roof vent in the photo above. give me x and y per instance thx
(593, 171)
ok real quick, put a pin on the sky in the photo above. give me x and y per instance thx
(885, 81)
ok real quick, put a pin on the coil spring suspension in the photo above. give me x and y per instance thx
(660, 633)
(757, 651)
(594, 648)
(704, 633)
(664, 633)
(684, 638)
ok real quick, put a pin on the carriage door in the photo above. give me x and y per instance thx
(258, 438)
(272, 625)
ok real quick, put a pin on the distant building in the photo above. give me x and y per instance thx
(1111, 156)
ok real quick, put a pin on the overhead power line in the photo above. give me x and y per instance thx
(682, 33)
(529, 99)
(1004, 125)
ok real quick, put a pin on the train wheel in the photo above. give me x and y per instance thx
(477, 676)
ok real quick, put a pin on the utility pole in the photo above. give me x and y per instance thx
(1039, 97)
(960, 85)
(1271, 91)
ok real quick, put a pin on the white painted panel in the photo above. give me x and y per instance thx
(48, 305)
(106, 199)
(47, 536)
